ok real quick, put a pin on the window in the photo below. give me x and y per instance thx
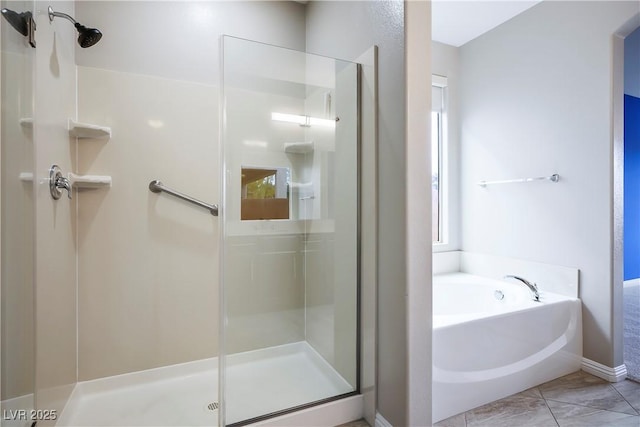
(436, 232)
(265, 193)
(438, 148)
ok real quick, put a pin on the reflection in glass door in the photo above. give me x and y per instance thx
(290, 230)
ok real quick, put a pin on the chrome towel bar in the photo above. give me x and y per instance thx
(553, 178)
(158, 187)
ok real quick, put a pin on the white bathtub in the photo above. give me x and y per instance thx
(485, 349)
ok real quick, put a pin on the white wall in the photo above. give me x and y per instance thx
(632, 64)
(149, 258)
(537, 100)
(180, 40)
(345, 30)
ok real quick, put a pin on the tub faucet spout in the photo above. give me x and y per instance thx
(532, 286)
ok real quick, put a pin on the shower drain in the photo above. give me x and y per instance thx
(213, 406)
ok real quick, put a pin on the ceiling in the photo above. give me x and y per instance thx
(456, 22)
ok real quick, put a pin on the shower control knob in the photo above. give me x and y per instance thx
(57, 182)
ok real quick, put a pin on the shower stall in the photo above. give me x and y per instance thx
(235, 302)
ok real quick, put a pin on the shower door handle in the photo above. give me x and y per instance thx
(156, 186)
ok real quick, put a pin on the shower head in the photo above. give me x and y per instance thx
(87, 37)
(19, 21)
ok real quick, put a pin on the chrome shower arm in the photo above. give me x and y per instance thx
(53, 14)
(87, 37)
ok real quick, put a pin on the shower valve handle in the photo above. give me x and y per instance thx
(57, 182)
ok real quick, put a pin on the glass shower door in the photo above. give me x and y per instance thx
(17, 220)
(290, 230)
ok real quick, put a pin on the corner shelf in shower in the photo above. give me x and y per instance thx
(26, 122)
(89, 181)
(26, 176)
(79, 181)
(298, 147)
(86, 130)
(301, 185)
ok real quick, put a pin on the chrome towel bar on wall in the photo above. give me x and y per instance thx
(553, 178)
(158, 187)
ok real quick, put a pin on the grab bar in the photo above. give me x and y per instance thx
(157, 187)
(553, 178)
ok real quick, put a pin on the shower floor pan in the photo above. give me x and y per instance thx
(258, 382)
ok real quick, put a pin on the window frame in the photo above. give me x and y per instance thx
(443, 149)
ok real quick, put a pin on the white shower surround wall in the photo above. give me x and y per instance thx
(492, 349)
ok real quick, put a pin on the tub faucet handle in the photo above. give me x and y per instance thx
(57, 183)
(532, 286)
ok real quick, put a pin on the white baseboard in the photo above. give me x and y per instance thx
(613, 375)
(632, 282)
(381, 422)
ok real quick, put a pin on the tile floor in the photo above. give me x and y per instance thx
(632, 331)
(578, 399)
